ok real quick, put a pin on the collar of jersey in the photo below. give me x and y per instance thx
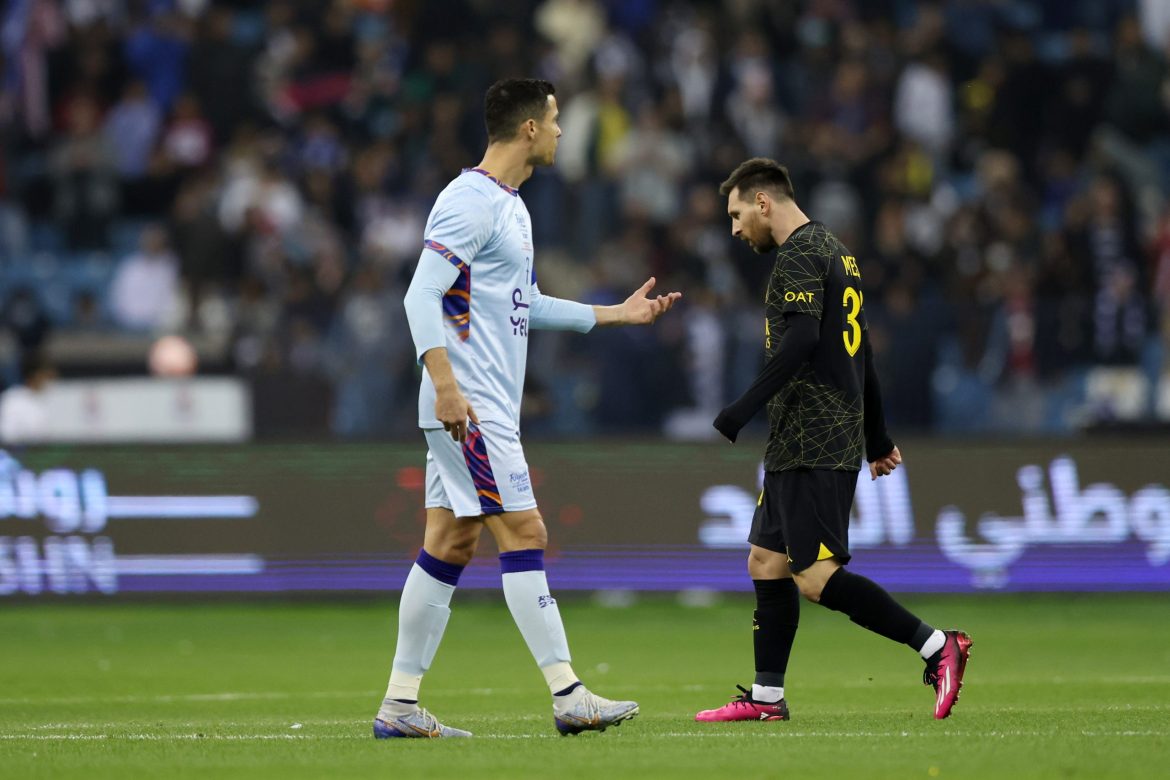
(510, 190)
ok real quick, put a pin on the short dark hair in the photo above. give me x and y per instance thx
(512, 101)
(759, 173)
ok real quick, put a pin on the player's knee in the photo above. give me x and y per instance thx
(765, 565)
(811, 582)
(755, 566)
(456, 546)
(809, 588)
(519, 532)
(456, 551)
(533, 535)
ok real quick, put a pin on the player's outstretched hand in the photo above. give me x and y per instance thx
(453, 410)
(883, 466)
(639, 309)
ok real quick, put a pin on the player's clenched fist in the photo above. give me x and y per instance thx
(884, 466)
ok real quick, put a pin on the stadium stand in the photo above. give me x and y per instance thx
(1002, 169)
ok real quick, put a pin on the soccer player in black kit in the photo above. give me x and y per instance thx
(825, 412)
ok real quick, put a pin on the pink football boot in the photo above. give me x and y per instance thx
(742, 707)
(945, 670)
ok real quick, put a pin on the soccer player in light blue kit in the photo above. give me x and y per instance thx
(470, 306)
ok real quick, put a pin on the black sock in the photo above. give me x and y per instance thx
(868, 605)
(774, 628)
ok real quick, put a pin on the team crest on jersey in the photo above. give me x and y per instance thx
(522, 223)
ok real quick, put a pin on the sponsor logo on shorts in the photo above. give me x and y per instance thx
(545, 601)
(520, 482)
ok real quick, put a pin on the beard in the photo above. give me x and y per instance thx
(766, 246)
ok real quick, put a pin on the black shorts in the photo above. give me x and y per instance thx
(805, 513)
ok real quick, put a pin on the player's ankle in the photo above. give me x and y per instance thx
(397, 708)
(569, 699)
(767, 694)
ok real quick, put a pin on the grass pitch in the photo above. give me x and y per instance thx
(1057, 687)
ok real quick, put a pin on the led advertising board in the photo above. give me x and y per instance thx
(303, 518)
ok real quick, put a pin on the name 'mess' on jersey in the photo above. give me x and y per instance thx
(817, 418)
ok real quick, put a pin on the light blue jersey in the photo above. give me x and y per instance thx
(475, 293)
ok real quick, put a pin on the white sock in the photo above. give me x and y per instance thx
(559, 675)
(933, 645)
(767, 694)
(423, 612)
(569, 700)
(401, 695)
(539, 621)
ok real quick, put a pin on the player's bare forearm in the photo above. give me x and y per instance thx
(439, 367)
(638, 309)
(451, 408)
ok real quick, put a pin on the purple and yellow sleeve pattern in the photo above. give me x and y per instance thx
(438, 302)
(425, 300)
(457, 299)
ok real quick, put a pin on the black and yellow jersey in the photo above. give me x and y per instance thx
(817, 417)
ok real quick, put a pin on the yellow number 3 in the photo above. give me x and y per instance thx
(852, 336)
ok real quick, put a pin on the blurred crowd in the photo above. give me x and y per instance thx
(256, 175)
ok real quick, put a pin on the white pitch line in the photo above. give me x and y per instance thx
(464, 692)
(275, 723)
(278, 695)
(233, 696)
(780, 733)
(185, 697)
(174, 737)
(1117, 679)
(770, 734)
